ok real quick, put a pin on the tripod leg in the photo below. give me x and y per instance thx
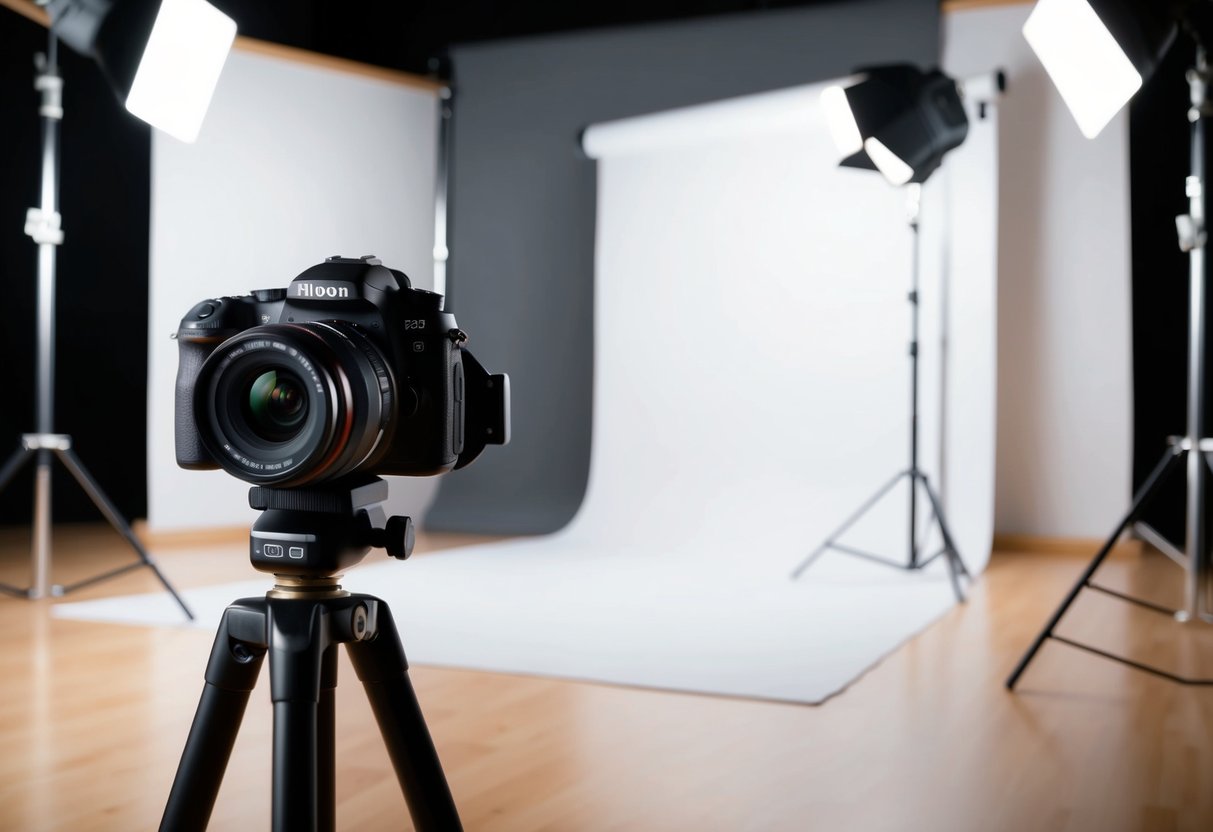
(231, 674)
(1140, 500)
(383, 670)
(956, 566)
(850, 521)
(99, 498)
(299, 639)
(326, 745)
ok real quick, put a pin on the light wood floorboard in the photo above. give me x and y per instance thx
(93, 717)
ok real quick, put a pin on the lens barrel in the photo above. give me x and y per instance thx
(290, 404)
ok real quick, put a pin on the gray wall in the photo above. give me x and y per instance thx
(523, 200)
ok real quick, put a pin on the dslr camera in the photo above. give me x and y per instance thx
(349, 370)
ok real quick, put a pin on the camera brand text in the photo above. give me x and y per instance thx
(312, 290)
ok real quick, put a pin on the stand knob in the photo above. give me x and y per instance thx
(399, 537)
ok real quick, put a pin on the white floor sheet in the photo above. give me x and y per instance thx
(750, 391)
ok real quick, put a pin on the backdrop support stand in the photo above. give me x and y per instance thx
(442, 188)
(44, 225)
(1193, 449)
(916, 476)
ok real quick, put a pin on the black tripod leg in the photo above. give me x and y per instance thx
(850, 521)
(111, 513)
(231, 674)
(381, 665)
(298, 642)
(326, 745)
(956, 566)
(1140, 500)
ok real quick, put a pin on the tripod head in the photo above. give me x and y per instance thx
(307, 537)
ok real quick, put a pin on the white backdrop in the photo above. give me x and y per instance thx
(752, 329)
(294, 164)
(750, 390)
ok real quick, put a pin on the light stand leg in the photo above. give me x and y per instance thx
(945, 530)
(1144, 494)
(956, 567)
(111, 513)
(14, 464)
(846, 524)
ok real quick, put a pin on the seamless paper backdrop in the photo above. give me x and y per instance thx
(751, 383)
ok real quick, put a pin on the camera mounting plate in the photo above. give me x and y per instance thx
(342, 496)
(314, 534)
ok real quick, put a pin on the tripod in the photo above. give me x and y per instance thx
(916, 476)
(44, 225)
(307, 537)
(1192, 449)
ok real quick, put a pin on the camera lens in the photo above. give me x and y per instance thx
(277, 405)
(290, 404)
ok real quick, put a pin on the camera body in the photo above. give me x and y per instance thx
(348, 369)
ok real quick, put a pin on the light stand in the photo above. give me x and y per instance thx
(1194, 448)
(916, 476)
(44, 225)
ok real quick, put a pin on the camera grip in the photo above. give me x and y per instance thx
(190, 452)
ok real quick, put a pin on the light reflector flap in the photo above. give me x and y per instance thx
(180, 67)
(888, 163)
(841, 121)
(1095, 77)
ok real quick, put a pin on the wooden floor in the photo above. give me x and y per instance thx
(93, 717)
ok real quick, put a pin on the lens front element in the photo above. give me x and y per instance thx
(277, 405)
